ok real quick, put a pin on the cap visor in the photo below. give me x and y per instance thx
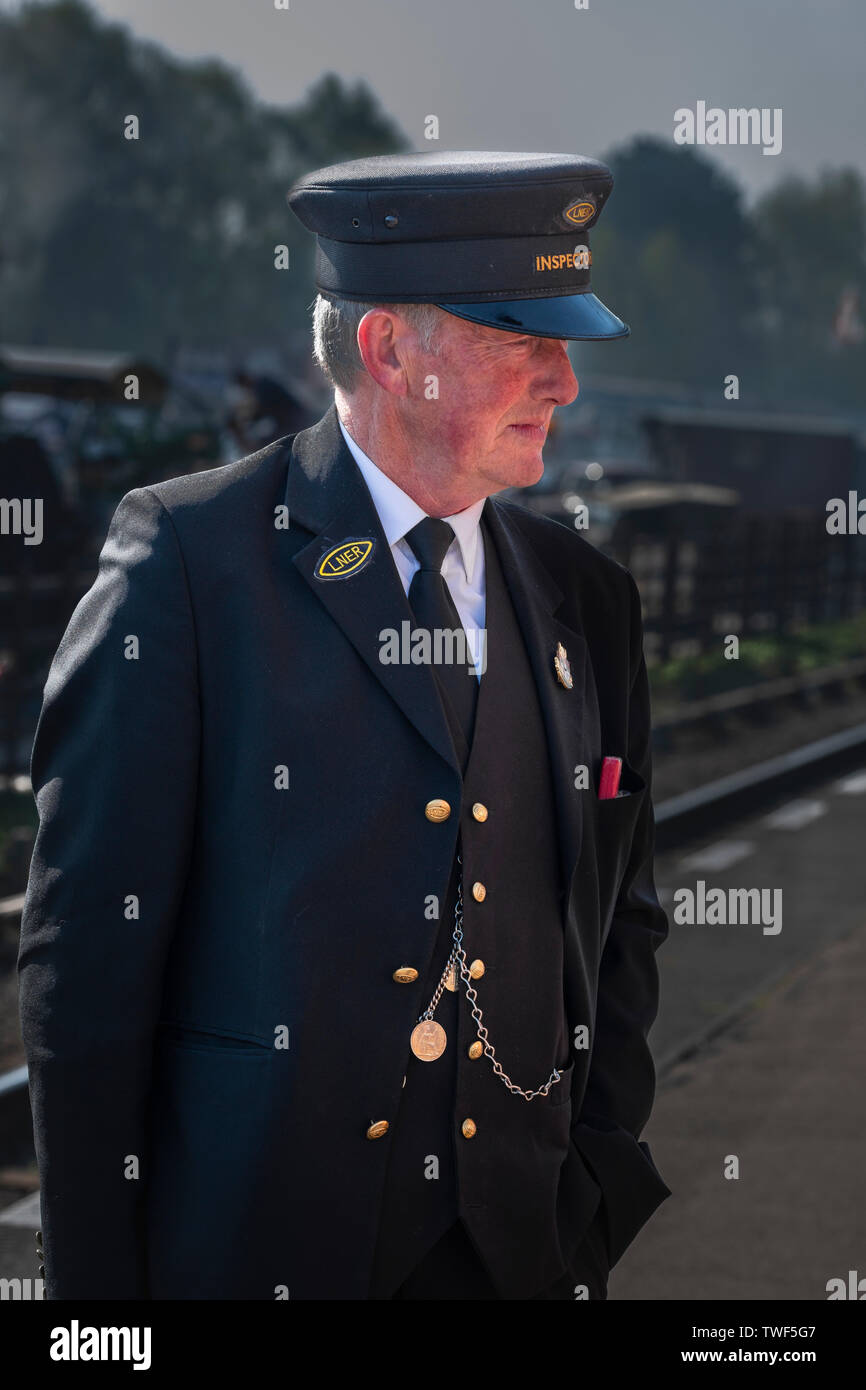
(561, 316)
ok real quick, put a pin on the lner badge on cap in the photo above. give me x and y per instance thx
(563, 669)
(345, 559)
(579, 212)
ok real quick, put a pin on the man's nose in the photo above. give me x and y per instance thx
(558, 377)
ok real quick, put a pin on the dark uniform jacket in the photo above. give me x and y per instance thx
(235, 856)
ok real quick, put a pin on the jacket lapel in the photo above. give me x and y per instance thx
(326, 494)
(536, 597)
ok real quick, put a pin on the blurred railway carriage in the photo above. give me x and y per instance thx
(70, 440)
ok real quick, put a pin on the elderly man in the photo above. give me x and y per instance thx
(337, 960)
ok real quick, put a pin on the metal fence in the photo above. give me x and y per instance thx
(749, 576)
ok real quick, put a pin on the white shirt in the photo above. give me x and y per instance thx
(463, 566)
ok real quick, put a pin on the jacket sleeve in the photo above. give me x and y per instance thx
(621, 1082)
(114, 770)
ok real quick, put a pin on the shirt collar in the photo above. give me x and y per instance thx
(398, 512)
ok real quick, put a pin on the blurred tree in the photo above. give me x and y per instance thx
(811, 259)
(675, 248)
(110, 242)
(169, 239)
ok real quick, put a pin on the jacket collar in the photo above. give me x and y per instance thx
(398, 512)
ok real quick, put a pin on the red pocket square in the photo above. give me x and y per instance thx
(611, 768)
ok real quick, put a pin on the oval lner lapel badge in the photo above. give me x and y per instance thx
(562, 667)
(345, 559)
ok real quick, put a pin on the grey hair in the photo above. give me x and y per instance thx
(335, 334)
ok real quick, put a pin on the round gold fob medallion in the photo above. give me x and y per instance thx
(428, 1040)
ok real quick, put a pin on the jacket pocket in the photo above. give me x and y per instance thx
(615, 820)
(190, 1037)
(630, 784)
(560, 1092)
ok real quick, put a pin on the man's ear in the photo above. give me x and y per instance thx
(384, 341)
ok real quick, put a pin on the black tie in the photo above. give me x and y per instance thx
(433, 607)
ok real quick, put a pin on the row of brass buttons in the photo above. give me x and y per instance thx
(438, 810)
(407, 974)
(376, 1131)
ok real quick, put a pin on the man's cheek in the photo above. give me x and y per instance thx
(462, 433)
(460, 421)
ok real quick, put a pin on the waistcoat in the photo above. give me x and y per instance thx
(502, 1180)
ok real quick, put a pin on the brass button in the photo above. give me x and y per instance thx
(467, 1129)
(479, 892)
(479, 811)
(476, 1050)
(437, 809)
(405, 975)
(476, 969)
(378, 1129)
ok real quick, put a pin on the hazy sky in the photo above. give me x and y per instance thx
(541, 75)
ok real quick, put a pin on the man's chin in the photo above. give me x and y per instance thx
(527, 467)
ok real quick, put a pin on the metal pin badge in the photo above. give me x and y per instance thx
(562, 667)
